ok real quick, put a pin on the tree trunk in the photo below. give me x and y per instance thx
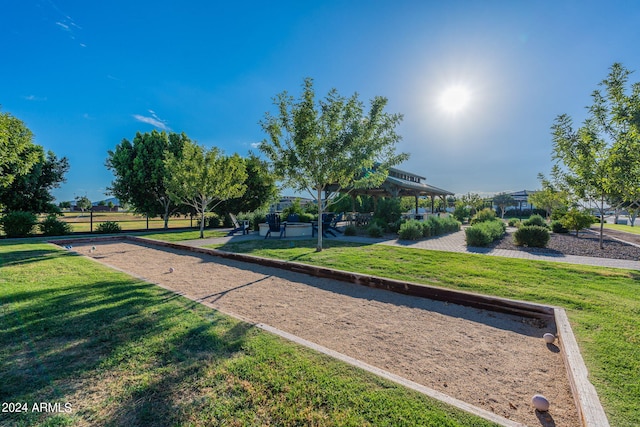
(202, 222)
(166, 216)
(319, 246)
(601, 223)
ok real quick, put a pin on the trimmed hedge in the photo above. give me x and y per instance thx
(483, 233)
(533, 236)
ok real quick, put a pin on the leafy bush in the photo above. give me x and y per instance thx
(483, 233)
(411, 230)
(461, 212)
(52, 226)
(388, 210)
(558, 227)
(477, 236)
(294, 209)
(394, 227)
(350, 230)
(18, 223)
(577, 220)
(533, 236)
(375, 230)
(535, 220)
(307, 217)
(108, 227)
(484, 215)
(514, 222)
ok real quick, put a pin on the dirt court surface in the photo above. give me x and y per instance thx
(491, 360)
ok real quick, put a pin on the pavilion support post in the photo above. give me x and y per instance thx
(416, 196)
(432, 203)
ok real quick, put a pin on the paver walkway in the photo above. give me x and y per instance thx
(454, 242)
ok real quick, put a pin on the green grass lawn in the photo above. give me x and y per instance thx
(603, 304)
(121, 351)
(177, 236)
(622, 227)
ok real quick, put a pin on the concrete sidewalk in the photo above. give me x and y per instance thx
(454, 242)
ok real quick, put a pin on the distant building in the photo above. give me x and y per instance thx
(522, 199)
(286, 202)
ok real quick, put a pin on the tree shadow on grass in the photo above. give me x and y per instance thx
(57, 339)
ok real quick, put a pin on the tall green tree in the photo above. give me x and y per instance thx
(83, 203)
(31, 192)
(203, 178)
(18, 153)
(261, 189)
(140, 172)
(331, 144)
(600, 160)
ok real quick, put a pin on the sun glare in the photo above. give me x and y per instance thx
(454, 99)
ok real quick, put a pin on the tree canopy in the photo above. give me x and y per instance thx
(140, 172)
(261, 189)
(314, 145)
(18, 153)
(203, 178)
(30, 192)
(600, 160)
(549, 197)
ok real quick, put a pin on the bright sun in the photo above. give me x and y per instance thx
(454, 99)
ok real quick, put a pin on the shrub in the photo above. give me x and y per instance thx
(388, 210)
(52, 226)
(450, 224)
(535, 220)
(484, 215)
(214, 221)
(108, 227)
(350, 230)
(577, 220)
(375, 230)
(411, 230)
(306, 217)
(558, 227)
(435, 225)
(18, 223)
(533, 236)
(514, 222)
(461, 212)
(394, 227)
(484, 233)
(477, 236)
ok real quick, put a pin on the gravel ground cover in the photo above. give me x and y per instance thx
(585, 244)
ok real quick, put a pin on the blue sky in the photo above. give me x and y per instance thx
(84, 75)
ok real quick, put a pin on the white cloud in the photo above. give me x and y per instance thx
(255, 144)
(34, 98)
(154, 120)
